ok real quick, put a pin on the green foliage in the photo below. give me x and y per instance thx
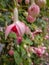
(17, 57)
(20, 53)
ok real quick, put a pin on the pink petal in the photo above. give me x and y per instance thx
(21, 27)
(28, 31)
(8, 30)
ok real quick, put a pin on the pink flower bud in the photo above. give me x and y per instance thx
(45, 18)
(46, 37)
(30, 19)
(19, 40)
(11, 52)
(41, 3)
(28, 31)
(39, 52)
(27, 1)
(34, 10)
(46, 54)
(32, 36)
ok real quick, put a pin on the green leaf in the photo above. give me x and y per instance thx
(28, 41)
(23, 52)
(47, 2)
(12, 35)
(17, 58)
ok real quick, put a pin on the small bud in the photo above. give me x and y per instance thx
(29, 55)
(27, 1)
(41, 3)
(34, 10)
(25, 46)
(19, 40)
(11, 52)
(25, 14)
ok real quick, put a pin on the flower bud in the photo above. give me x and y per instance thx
(11, 52)
(27, 1)
(41, 3)
(30, 19)
(34, 10)
(19, 40)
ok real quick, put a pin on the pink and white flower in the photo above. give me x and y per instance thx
(37, 31)
(39, 51)
(18, 28)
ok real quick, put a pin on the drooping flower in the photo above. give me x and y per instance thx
(30, 19)
(18, 28)
(34, 10)
(37, 31)
(39, 51)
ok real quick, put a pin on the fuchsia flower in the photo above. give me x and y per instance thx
(37, 31)
(34, 10)
(18, 28)
(30, 19)
(27, 1)
(33, 34)
(11, 52)
(39, 51)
